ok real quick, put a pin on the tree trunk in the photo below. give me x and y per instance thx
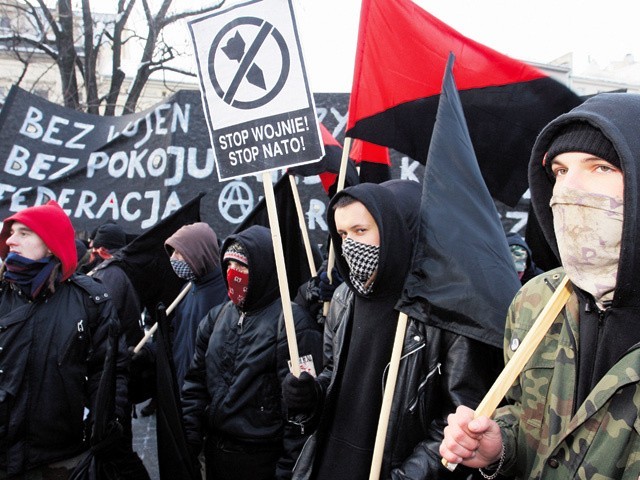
(67, 56)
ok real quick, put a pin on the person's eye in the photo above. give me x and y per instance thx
(558, 172)
(605, 168)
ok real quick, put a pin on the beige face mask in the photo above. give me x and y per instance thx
(588, 230)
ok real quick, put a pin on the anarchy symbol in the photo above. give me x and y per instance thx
(247, 70)
(235, 202)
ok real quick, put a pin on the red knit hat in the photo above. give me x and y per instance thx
(53, 226)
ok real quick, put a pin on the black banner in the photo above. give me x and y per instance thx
(138, 169)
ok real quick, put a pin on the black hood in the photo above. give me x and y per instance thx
(263, 281)
(395, 206)
(617, 116)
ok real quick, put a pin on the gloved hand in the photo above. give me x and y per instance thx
(141, 356)
(300, 394)
(327, 288)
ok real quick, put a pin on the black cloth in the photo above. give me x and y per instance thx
(603, 341)
(227, 460)
(56, 346)
(233, 387)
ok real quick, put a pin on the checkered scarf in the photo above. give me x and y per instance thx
(363, 264)
(182, 269)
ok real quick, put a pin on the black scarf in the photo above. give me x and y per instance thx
(30, 275)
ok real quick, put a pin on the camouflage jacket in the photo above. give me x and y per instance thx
(542, 439)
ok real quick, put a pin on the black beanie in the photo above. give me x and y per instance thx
(110, 236)
(581, 137)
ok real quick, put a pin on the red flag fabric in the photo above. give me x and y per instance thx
(362, 151)
(329, 166)
(400, 59)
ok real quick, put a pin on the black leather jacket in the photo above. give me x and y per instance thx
(439, 370)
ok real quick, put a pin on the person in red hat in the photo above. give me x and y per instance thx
(54, 331)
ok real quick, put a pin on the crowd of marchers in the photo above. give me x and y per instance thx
(72, 327)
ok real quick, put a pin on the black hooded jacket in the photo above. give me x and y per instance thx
(232, 390)
(437, 371)
(604, 335)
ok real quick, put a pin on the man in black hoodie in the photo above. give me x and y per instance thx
(374, 231)
(231, 393)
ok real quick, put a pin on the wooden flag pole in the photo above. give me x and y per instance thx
(282, 272)
(303, 225)
(387, 399)
(342, 176)
(528, 346)
(173, 305)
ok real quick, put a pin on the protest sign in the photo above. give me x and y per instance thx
(256, 96)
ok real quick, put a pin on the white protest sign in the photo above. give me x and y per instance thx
(256, 96)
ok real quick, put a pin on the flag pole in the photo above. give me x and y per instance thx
(528, 346)
(282, 272)
(387, 399)
(149, 333)
(303, 225)
(342, 175)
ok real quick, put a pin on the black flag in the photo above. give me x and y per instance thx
(463, 277)
(146, 262)
(174, 458)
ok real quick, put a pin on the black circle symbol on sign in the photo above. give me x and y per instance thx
(246, 65)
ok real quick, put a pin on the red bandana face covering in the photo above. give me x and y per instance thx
(238, 285)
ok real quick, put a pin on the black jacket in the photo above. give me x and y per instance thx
(438, 372)
(232, 390)
(206, 292)
(51, 358)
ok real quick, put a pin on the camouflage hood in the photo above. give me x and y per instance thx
(617, 116)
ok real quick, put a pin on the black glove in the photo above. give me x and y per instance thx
(141, 356)
(327, 288)
(300, 394)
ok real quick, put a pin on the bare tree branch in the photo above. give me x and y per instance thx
(78, 42)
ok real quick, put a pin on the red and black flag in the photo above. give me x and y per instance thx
(401, 54)
(462, 278)
(328, 167)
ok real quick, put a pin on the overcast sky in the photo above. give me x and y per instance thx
(539, 31)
